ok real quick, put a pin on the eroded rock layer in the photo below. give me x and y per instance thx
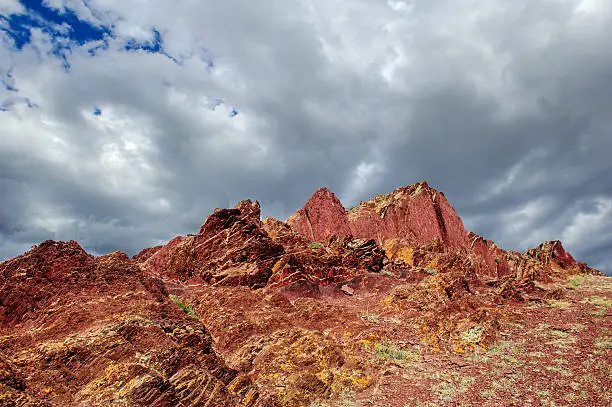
(83, 330)
(326, 309)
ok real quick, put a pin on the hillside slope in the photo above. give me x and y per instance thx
(331, 308)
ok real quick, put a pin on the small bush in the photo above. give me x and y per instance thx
(575, 282)
(187, 309)
(599, 301)
(316, 245)
(560, 304)
(371, 317)
(389, 351)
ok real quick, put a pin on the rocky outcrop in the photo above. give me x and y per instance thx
(54, 269)
(284, 235)
(330, 306)
(77, 329)
(322, 216)
(231, 248)
(552, 255)
(144, 254)
(416, 222)
(417, 214)
(489, 259)
(303, 271)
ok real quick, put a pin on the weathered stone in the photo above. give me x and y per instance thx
(98, 331)
(347, 290)
(232, 248)
(322, 216)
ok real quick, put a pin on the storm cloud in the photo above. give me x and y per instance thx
(124, 123)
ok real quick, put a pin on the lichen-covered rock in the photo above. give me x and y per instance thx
(284, 235)
(417, 213)
(77, 329)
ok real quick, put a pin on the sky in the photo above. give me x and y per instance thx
(124, 123)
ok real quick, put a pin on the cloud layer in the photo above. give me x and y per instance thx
(124, 123)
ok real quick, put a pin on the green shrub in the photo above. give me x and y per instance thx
(575, 282)
(371, 317)
(389, 351)
(187, 309)
(316, 245)
(599, 301)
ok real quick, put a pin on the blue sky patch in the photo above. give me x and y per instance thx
(155, 46)
(56, 23)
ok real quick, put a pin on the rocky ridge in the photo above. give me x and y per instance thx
(270, 313)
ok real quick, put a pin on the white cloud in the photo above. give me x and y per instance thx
(360, 96)
(399, 5)
(363, 179)
(8, 7)
(588, 227)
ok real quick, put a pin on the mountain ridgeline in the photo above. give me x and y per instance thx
(308, 312)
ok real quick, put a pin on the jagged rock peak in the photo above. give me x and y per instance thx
(323, 215)
(231, 248)
(223, 218)
(416, 213)
(380, 202)
(553, 251)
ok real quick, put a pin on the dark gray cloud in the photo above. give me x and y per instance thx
(503, 106)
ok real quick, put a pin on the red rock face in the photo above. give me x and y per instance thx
(144, 254)
(417, 214)
(491, 261)
(28, 281)
(284, 235)
(300, 311)
(322, 216)
(232, 248)
(303, 270)
(552, 255)
(79, 325)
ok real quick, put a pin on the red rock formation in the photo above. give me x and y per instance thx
(553, 255)
(53, 268)
(410, 219)
(303, 270)
(89, 330)
(144, 254)
(283, 234)
(232, 248)
(322, 216)
(304, 314)
(490, 259)
(417, 213)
